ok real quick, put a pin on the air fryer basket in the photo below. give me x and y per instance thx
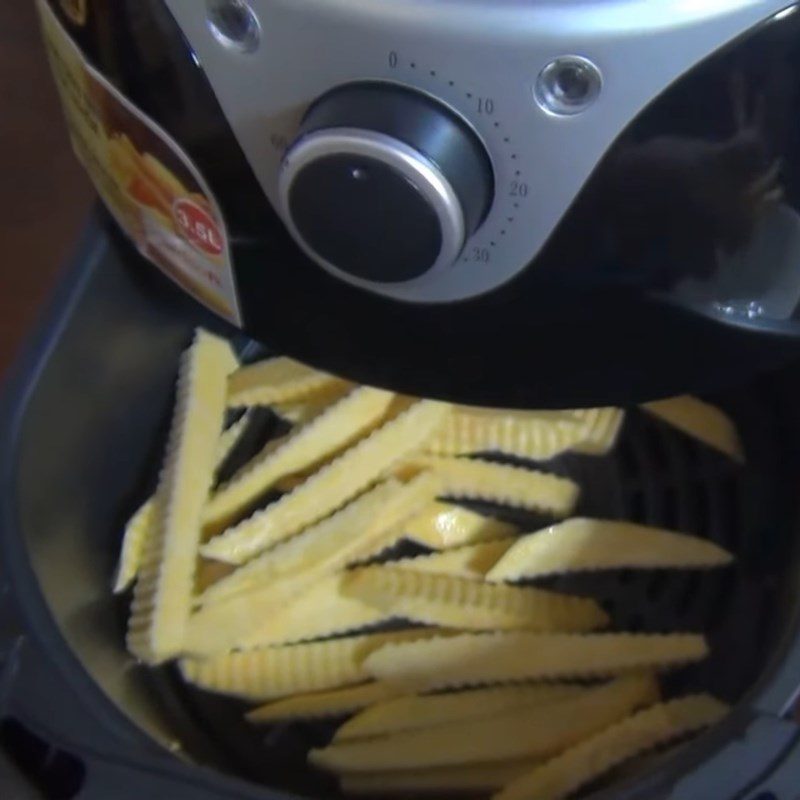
(84, 420)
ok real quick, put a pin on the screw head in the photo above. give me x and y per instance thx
(568, 85)
(234, 24)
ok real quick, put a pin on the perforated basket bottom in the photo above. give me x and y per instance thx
(655, 476)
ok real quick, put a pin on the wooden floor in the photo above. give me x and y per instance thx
(44, 196)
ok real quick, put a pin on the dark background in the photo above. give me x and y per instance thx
(44, 196)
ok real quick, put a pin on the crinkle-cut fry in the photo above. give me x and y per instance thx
(463, 603)
(134, 543)
(702, 421)
(600, 431)
(578, 545)
(141, 524)
(471, 778)
(411, 712)
(318, 705)
(442, 526)
(503, 484)
(162, 598)
(309, 548)
(239, 621)
(567, 415)
(301, 412)
(530, 436)
(312, 443)
(336, 541)
(527, 732)
(470, 561)
(331, 487)
(320, 612)
(473, 659)
(277, 380)
(231, 436)
(274, 672)
(563, 775)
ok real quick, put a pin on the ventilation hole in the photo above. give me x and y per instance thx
(688, 595)
(701, 508)
(725, 588)
(626, 576)
(655, 451)
(729, 531)
(637, 506)
(635, 623)
(56, 774)
(626, 459)
(655, 586)
(669, 518)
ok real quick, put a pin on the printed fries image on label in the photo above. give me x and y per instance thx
(152, 188)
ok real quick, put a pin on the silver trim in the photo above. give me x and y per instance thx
(551, 97)
(465, 52)
(412, 164)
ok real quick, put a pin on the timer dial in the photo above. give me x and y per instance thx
(384, 184)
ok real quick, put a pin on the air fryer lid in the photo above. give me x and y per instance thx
(507, 203)
(70, 682)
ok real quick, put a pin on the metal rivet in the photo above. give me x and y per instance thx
(234, 24)
(568, 85)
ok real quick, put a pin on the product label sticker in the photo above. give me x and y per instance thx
(149, 184)
(76, 10)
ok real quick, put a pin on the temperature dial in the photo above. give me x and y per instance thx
(384, 183)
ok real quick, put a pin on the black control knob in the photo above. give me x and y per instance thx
(384, 183)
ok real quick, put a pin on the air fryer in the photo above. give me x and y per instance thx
(584, 190)
(610, 287)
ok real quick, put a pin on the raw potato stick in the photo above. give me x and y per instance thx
(231, 435)
(278, 380)
(335, 541)
(467, 604)
(528, 732)
(530, 436)
(274, 672)
(134, 543)
(238, 620)
(140, 527)
(442, 526)
(700, 421)
(331, 487)
(578, 766)
(312, 443)
(163, 594)
(471, 779)
(471, 561)
(601, 430)
(319, 705)
(472, 659)
(425, 711)
(499, 483)
(578, 545)
(320, 612)
(300, 412)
